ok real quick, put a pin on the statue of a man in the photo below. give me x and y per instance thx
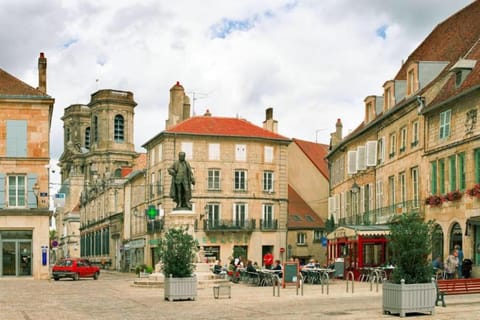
(182, 179)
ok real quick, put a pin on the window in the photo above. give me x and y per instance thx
(403, 139)
(403, 187)
(445, 124)
(240, 180)
(152, 185)
(452, 172)
(17, 186)
(152, 157)
(317, 235)
(95, 129)
(268, 181)
(391, 190)
(381, 150)
(441, 175)
(388, 98)
(240, 152)
(87, 137)
(411, 81)
(415, 131)
(461, 171)
(379, 194)
(16, 138)
(118, 129)
(213, 210)
(187, 147)
(159, 182)
(160, 153)
(268, 154)
(301, 238)
(67, 135)
(240, 214)
(433, 180)
(414, 177)
(393, 145)
(213, 151)
(267, 215)
(213, 179)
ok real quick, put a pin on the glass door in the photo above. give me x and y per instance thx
(25, 254)
(8, 258)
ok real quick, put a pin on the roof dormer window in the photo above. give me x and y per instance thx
(462, 68)
(412, 83)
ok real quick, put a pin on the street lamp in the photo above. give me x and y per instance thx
(355, 188)
(36, 190)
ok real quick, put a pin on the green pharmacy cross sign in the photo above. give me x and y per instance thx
(151, 212)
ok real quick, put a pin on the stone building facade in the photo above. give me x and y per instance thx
(416, 150)
(25, 122)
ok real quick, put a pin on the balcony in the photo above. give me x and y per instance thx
(382, 215)
(229, 225)
(268, 225)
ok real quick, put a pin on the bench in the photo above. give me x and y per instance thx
(456, 286)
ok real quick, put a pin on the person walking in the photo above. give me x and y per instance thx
(459, 254)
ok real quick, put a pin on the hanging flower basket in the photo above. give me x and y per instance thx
(434, 200)
(474, 192)
(453, 196)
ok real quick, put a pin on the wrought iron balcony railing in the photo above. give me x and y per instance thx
(229, 225)
(266, 225)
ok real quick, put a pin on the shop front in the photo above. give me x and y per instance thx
(353, 248)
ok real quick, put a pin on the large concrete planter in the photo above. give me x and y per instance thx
(180, 288)
(406, 298)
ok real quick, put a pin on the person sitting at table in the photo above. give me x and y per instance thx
(278, 268)
(217, 267)
(232, 272)
(250, 267)
(310, 264)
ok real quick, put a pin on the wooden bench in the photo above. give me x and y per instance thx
(456, 286)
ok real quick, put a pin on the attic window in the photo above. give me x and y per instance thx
(297, 218)
(462, 68)
(309, 218)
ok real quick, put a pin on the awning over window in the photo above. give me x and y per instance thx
(354, 231)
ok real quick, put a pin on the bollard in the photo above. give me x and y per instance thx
(348, 277)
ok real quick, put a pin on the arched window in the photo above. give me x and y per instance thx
(455, 236)
(118, 173)
(95, 129)
(87, 137)
(118, 134)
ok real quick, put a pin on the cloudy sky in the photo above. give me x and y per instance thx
(312, 61)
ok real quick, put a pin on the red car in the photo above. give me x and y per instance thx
(75, 268)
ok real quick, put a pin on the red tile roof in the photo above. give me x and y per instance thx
(449, 40)
(316, 152)
(300, 214)
(9, 85)
(218, 126)
(140, 162)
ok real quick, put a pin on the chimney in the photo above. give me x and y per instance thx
(179, 107)
(270, 124)
(339, 128)
(42, 73)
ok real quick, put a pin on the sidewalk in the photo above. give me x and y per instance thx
(114, 297)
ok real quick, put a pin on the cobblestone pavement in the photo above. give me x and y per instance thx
(114, 297)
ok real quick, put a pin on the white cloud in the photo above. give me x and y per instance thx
(312, 61)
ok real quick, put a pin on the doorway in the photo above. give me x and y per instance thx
(16, 258)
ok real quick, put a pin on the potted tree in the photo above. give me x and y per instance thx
(177, 252)
(412, 288)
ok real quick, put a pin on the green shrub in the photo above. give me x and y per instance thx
(177, 252)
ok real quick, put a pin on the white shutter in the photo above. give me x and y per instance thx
(361, 164)
(352, 162)
(342, 202)
(331, 206)
(337, 206)
(370, 196)
(371, 153)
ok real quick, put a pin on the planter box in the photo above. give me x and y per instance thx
(180, 288)
(406, 298)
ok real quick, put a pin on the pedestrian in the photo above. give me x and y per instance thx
(459, 254)
(451, 265)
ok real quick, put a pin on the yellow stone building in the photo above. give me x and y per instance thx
(25, 122)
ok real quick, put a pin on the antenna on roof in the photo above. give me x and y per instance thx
(194, 94)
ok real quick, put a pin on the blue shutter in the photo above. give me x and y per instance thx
(2, 190)
(31, 199)
(16, 138)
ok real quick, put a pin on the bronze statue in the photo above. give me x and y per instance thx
(182, 179)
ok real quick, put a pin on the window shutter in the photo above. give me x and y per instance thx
(331, 206)
(362, 199)
(361, 161)
(337, 206)
(371, 153)
(370, 196)
(352, 162)
(31, 199)
(2, 190)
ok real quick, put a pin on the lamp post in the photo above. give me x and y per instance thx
(36, 190)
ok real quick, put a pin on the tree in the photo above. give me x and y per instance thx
(177, 252)
(410, 241)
